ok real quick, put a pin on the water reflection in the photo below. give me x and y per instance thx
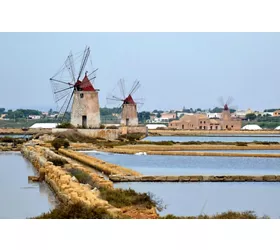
(20, 199)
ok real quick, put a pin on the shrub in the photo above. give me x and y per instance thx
(75, 136)
(76, 211)
(112, 127)
(66, 144)
(241, 144)
(128, 197)
(65, 125)
(58, 162)
(224, 215)
(7, 139)
(133, 136)
(81, 176)
(102, 126)
(59, 142)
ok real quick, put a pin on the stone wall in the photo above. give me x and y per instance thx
(196, 178)
(108, 134)
(67, 189)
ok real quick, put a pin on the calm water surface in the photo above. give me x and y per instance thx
(266, 151)
(20, 199)
(211, 198)
(15, 136)
(191, 165)
(214, 138)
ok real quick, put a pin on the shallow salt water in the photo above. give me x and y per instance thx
(192, 199)
(271, 138)
(191, 165)
(20, 199)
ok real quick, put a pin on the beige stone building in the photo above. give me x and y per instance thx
(202, 122)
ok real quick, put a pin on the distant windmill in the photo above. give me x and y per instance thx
(128, 104)
(226, 107)
(227, 104)
(74, 92)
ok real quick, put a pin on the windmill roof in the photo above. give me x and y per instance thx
(85, 84)
(129, 100)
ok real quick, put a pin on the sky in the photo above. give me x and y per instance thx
(174, 69)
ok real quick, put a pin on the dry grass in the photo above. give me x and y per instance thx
(226, 215)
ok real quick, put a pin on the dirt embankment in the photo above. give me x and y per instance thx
(74, 183)
(194, 150)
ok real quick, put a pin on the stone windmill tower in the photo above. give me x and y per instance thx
(75, 94)
(129, 105)
(225, 115)
(227, 121)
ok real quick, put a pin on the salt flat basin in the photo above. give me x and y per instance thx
(265, 151)
(192, 165)
(191, 199)
(208, 138)
(15, 135)
(20, 199)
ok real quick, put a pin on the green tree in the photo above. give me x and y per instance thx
(2, 111)
(251, 116)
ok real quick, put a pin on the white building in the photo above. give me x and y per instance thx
(213, 115)
(34, 117)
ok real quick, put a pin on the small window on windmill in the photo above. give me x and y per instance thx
(82, 95)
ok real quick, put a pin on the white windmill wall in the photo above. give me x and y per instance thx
(129, 115)
(85, 103)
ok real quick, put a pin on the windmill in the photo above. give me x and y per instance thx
(74, 92)
(226, 108)
(128, 104)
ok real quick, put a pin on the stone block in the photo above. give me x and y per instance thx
(257, 178)
(184, 178)
(172, 178)
(269, 178)
(196, 178)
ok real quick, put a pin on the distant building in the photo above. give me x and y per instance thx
(34, 117)
(213, 115)
(203, 122)
(169, 116)
(276, 113)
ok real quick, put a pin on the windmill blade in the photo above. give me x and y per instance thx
(59, 81)
(229, 100)
(221, 101)
(139, 99)
(92, 72)
(84, 62)
(68, 104)
(135, 88)
(70, 67)
(122, 88)
(62, 90)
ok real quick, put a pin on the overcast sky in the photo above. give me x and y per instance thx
(174, 69)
